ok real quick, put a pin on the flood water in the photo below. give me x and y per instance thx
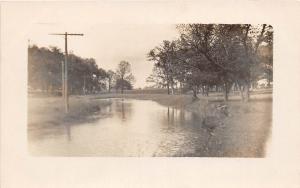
(129, 128)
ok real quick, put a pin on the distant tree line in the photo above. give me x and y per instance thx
(214, 56)
(84, 75)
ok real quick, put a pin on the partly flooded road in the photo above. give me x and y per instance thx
(133, 128)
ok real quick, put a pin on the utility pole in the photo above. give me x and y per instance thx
(65, 94)
(63, 80)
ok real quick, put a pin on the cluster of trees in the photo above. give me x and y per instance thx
(84, 75)
(122, 78)
(219, 56)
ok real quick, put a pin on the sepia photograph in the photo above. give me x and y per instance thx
(151, 90)
(150, 94)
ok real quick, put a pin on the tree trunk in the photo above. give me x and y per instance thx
(247, 94)
(241, 91)
(207, 90)
(269, 79)
(194, 89)
(109, 85)
(172, 88)
(244, 90)
(122, 86)
(168, 87)
(226, 91)
(226, 95)
(203, 90)
(219, 88)
(180, 88)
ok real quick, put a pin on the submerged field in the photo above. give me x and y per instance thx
(218, 129)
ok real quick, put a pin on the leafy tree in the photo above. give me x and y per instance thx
(123, 84)
(164, 57)
(45, 71)
(124, 75)
(230, 50)
(157, 78)
(215, 55)
(111, 79)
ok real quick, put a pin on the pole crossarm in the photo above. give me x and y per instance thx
(78, 34)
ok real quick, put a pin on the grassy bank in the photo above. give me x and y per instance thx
(43, 111)
(167, 100)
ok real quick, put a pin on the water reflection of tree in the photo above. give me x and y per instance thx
(68, 129)
(198, 135)
(177, 117)
(123, 109)
(170, 116)
(109, 108)
(181, 116)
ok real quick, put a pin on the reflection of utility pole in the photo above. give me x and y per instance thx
(83, 84)
(65, 70)
(68, 127)
(123, 112)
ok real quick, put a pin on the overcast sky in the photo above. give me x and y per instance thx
(108, 43)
